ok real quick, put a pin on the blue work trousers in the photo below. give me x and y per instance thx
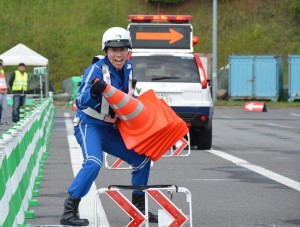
(18, 100)
(94, 139)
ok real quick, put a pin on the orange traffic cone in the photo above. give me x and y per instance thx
(137, 122)
(147, 124)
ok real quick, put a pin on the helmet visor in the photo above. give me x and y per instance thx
(118, 43)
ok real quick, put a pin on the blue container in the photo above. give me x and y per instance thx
(241, 77)
(255, 77)
(294, 77)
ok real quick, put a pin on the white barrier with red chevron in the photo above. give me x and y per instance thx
(117, 163)
(112, 162)
(169, 215)
(181, 149)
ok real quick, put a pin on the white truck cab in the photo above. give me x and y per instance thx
(163, 60)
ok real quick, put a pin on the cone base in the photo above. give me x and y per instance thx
(160, 143)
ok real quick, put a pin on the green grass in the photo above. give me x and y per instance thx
(68, 32)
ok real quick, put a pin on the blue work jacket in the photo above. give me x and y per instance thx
(94, 71)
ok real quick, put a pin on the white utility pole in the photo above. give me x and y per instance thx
(214, 53)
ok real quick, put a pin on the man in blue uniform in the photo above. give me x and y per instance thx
(94, 125)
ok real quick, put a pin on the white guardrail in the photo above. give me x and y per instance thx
(23, 150)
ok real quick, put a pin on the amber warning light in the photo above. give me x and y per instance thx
(195, 40)
(160, 18)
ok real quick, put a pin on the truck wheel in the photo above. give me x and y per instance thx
(204, 139)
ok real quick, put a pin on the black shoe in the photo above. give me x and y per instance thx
(139, 202)
(70, 215)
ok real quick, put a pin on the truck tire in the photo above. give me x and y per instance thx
(204, 139)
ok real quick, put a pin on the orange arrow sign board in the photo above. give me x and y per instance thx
(173, 36)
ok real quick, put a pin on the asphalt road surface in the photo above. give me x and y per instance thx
(251, 176)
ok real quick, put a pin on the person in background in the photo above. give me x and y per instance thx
(18, 83)
(3, 95)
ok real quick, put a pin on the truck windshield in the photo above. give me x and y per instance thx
(166, 68)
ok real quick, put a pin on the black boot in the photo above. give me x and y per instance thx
(139, 202)
(70, 215)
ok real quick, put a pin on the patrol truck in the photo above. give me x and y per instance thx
(164, 60)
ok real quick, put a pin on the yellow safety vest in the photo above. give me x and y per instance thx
(20, 82)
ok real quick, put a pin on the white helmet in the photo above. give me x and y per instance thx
(116, 37)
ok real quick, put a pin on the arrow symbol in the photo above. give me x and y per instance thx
(137, 218)
(252, 106)
(173, 36)
(162, 200)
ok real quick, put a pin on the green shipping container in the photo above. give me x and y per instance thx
(71, 86)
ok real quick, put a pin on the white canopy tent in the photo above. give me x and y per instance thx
(22, 54)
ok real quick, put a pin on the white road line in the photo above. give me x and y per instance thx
(86, 206)
(227, 117)
(294, 114)
(260, 170)
(277, 126)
